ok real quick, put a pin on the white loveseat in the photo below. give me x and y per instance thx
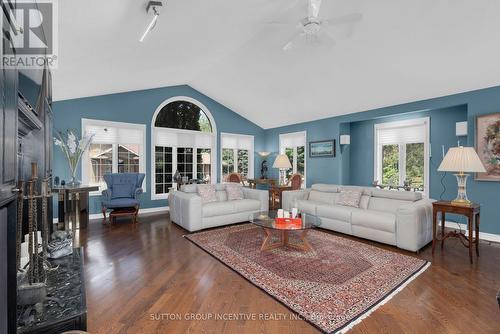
(188, 211)
(399, 218)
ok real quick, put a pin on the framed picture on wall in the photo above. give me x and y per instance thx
(323, 148)
(488, 146)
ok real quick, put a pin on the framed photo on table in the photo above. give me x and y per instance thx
(322, 148)
(488, 146)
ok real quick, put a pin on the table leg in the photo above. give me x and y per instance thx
(434, 223)
(307, 245)
(268, 238)
(443, 222)
(284, 237)
(471, 235)
(478, 218)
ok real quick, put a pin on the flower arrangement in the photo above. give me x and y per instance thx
(73, 149)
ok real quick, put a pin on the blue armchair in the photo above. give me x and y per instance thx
(123, 192)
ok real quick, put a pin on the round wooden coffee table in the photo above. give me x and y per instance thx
(269, 223)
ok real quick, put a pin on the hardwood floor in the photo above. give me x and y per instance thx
(139, 277)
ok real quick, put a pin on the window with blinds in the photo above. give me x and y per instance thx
(183, 140)
(116, 147)
(402, 154)
(237, 154)
(294, 146)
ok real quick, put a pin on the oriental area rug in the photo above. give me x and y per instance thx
(333, 287)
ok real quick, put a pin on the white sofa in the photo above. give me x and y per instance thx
(399, 218)
(188, 211)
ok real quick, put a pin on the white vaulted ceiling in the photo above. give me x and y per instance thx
(400, 51)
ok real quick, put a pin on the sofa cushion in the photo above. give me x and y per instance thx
(327, 188)
(123, 190)
(207, 193)
(234, 192)
(349, 197)
(377, 220)
(218, 208)
(307, 206)
(323, 197)
(399, 195)
(246, 205)
(121, 203)
(386, 204)
(336, 212)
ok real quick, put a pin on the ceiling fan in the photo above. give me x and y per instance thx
(313, 30)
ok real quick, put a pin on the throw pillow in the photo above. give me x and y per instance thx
(234, 192)
(349, 197)
(207, 193)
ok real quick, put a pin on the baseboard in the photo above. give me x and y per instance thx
(141, 212)
(482, 235)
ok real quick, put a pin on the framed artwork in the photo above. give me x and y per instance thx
(323, 148)
(488, 146)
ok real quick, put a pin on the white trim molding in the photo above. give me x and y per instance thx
(145, 211)
(482, 235)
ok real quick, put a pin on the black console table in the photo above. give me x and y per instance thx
(66, 307)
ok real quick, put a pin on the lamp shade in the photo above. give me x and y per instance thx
(461, 159)
(282, 162)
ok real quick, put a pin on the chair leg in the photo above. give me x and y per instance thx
(104, 214)
(136, 213)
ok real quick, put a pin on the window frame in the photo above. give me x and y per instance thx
(377, 161)
(85, 122)
(251, 157)
(213, 147)
(282, 150)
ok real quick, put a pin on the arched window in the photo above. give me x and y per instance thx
(184, 141)
(183, 115)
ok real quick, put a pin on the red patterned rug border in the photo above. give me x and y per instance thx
(340, 330)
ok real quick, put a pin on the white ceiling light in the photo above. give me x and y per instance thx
(153, 6)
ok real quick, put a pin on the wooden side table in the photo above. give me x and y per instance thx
(254, 182)
(276, 193)
(471, 211)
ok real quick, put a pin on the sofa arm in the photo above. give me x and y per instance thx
(261, 195)
(106, 195)
(414, 225)
(185, 210)
(137, 193)
(291, 196)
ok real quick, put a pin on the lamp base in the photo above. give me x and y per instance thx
(462, 193)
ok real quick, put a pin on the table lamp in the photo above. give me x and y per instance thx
(282, 163)
(460, 160)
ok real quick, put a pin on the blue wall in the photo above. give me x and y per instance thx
(349, 167)
(138, 107)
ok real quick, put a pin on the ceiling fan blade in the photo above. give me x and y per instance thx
(325, 38)
(293, 42)
(345, 19)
